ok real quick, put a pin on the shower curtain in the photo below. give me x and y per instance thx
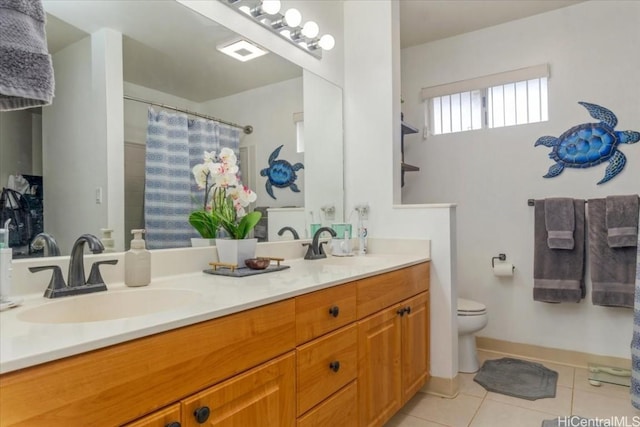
(635, 342)
(175, 144)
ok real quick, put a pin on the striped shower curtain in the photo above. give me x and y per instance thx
(635, 342)
(175, 144)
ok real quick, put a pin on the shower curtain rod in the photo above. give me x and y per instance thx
(248, 129)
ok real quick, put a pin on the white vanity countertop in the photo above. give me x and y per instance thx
(24, 344)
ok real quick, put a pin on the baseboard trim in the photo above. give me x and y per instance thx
(553, 355)
(443, 387)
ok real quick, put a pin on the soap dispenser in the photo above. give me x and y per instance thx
(137, 262)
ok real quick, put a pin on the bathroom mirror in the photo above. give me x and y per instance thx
(168, 55)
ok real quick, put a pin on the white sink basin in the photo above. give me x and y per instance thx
(108, 305)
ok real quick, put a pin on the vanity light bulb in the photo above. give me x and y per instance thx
(310, 29)
(271, 7)
(327, 42)
(293, 17)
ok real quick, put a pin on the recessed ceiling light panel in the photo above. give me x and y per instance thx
(241, 50)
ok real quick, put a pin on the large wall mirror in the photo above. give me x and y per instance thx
(89, 146)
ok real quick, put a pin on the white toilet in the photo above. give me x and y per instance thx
(472, 316)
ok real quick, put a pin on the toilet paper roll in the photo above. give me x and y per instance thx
(503, 269)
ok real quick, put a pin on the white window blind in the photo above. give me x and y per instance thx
(502, 99)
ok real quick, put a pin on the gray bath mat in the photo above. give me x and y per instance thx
(517, 378)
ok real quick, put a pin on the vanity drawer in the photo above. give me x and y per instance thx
(382, 291)
(325, 365)
(341, 409)
(324, 311)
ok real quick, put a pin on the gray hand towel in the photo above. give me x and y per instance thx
(558, 275)
(559, 218)
(26, 72)
(622, 221)
(612, 269)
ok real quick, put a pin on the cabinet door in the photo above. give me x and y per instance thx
(415, 344)
(167, 417)
(379, 374)
(261, 397)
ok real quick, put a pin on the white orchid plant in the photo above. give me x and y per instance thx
(225, 197)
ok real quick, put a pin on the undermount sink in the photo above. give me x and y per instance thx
(109, 305)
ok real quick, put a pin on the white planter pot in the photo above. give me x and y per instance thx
(198, 242)
(236, 251)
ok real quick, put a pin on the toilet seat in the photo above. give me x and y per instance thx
(467, 307)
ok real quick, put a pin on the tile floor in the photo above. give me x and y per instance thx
(475, 407)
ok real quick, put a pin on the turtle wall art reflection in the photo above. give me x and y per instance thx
(280, 173)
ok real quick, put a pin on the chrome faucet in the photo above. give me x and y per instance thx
(76, 275)
(315, 250)
(292, 230)
(47, 242)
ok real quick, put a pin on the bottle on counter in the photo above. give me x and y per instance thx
(137, 262)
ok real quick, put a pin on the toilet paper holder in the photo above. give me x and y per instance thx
(501, 257)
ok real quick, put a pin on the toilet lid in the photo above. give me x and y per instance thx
(468, 306)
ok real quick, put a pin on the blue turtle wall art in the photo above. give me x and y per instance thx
(280, 173)
(590, 144)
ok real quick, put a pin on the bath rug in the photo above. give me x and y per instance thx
(573, 420)
(517, 378)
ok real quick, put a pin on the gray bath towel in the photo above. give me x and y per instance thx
(558, 275)
(26, 72)
(612, 269)
(622, 221)
(559, 218)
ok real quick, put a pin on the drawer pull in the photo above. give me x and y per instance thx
(407, 310)
(173, 424)
(202, 414)
(334, 366)
(400, 311)
(334, 311)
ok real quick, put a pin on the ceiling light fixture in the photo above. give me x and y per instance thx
(287, 25)
(241, 50)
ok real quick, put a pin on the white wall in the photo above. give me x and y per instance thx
(372, 159)
(592, 49)
(269, 109)
(80, 145)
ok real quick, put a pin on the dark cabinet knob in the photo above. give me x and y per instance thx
(334, 366)
(400, 311)
(202, 414)
(334, 311)
(407, 310)
(173, 424)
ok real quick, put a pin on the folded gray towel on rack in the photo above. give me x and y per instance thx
(26, 72)
(559, 218)
(558, 275)
(622, 221)
(612, 269)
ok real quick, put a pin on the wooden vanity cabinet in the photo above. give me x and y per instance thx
(393, 343)
(118, 384)
(262, 397)
(167, 417)
(273, 365)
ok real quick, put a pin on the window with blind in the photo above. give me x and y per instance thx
(504, 99)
